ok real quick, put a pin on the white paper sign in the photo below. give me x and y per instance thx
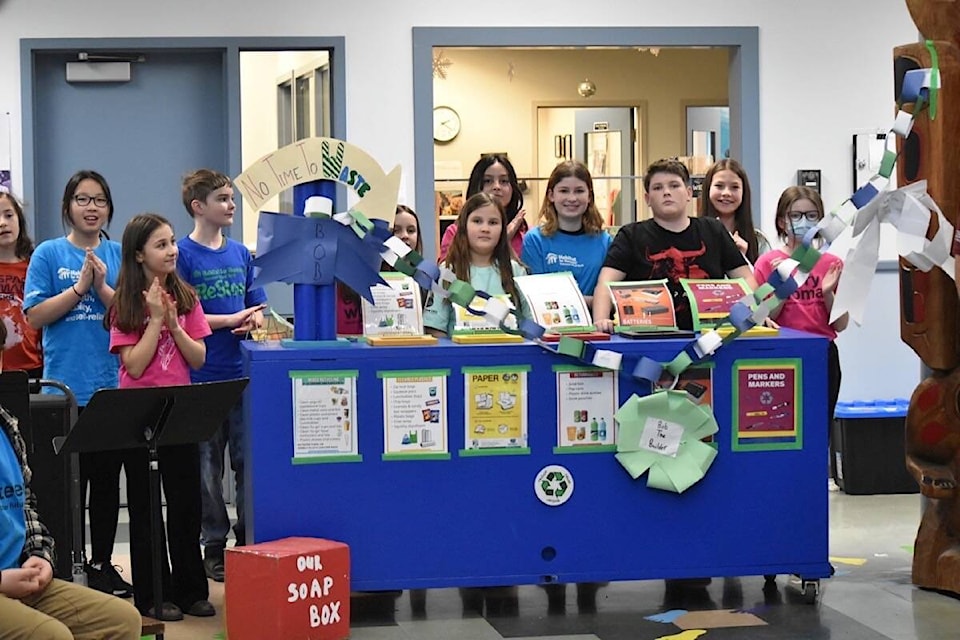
(415, 412)
(586, 404)
(324, 414)
(661, 436)
(396, 310)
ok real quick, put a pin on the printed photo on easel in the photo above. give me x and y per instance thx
(643, 305)
(555, 301)
(396, 309)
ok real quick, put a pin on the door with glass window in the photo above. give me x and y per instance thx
(605, 143)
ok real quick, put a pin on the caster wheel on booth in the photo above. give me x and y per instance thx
(810, 590)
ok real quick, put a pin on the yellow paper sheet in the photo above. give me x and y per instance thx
(856, 562)
(690, 634)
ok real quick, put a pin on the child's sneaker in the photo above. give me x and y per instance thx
(107, 579)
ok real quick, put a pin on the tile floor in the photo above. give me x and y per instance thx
(869, 601)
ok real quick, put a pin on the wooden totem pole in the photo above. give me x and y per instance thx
(929, 301)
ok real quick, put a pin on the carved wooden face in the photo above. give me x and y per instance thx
(936, 19)
(933, 420)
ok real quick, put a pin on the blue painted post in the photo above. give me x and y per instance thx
(314, 306)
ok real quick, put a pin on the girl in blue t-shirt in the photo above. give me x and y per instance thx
(70, 283)
(479, 254)
(571, 235)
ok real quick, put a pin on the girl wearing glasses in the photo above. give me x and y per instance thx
(808, 309)
(726, 195)
(69, 287)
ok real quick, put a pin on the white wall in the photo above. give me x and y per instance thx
(825, 71)
(260, 72)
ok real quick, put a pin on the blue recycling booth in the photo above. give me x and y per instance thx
(475, 520)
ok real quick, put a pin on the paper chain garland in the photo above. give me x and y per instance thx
(685, 466)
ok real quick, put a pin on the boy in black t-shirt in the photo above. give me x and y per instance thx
(671, 245)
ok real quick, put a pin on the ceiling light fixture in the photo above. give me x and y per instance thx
(586, 88)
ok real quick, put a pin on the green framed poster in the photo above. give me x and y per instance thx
(587, 399)
(767, 404)
(324, 416)
(711, 300)
(495, 410)
(415, 414)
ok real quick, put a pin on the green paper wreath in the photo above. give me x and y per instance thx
(658, 421)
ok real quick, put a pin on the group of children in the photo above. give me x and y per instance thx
(721, 242)
(172, 319)
(150, 311)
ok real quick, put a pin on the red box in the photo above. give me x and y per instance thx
(289, 588)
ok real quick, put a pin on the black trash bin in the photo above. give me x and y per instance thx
(868, 443)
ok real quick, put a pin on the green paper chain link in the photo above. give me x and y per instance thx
(934, 77)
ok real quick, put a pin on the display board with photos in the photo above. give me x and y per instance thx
(711, 300)
(555, 302)
(396, 308)
(643, 306)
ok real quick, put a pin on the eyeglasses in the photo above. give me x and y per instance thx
(83, 201)
(796, 216)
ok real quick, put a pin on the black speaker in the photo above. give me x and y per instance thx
(49, 418)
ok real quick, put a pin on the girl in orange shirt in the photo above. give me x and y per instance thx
(22, 350)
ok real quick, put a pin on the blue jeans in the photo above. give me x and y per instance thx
(215, 525)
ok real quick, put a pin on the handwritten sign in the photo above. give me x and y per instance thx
(322, 159)
(316, 589)
(661, 436)
(288, 588)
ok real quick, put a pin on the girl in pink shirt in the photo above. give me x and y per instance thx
(157, 327)
(808, 309)
(156, 323)
(494, 174)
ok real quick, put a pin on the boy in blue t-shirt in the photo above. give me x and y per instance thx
(221, 271)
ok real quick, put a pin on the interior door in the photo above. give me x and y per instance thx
(604, 140)
(142, 135)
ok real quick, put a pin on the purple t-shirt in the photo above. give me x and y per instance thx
(168, 367)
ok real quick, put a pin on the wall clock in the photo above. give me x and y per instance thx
(446, 124)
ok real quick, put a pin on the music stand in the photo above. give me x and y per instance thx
(151, 418)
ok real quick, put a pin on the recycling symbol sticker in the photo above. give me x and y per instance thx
(553, 485)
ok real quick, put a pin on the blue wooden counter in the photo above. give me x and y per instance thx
(475, 520)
